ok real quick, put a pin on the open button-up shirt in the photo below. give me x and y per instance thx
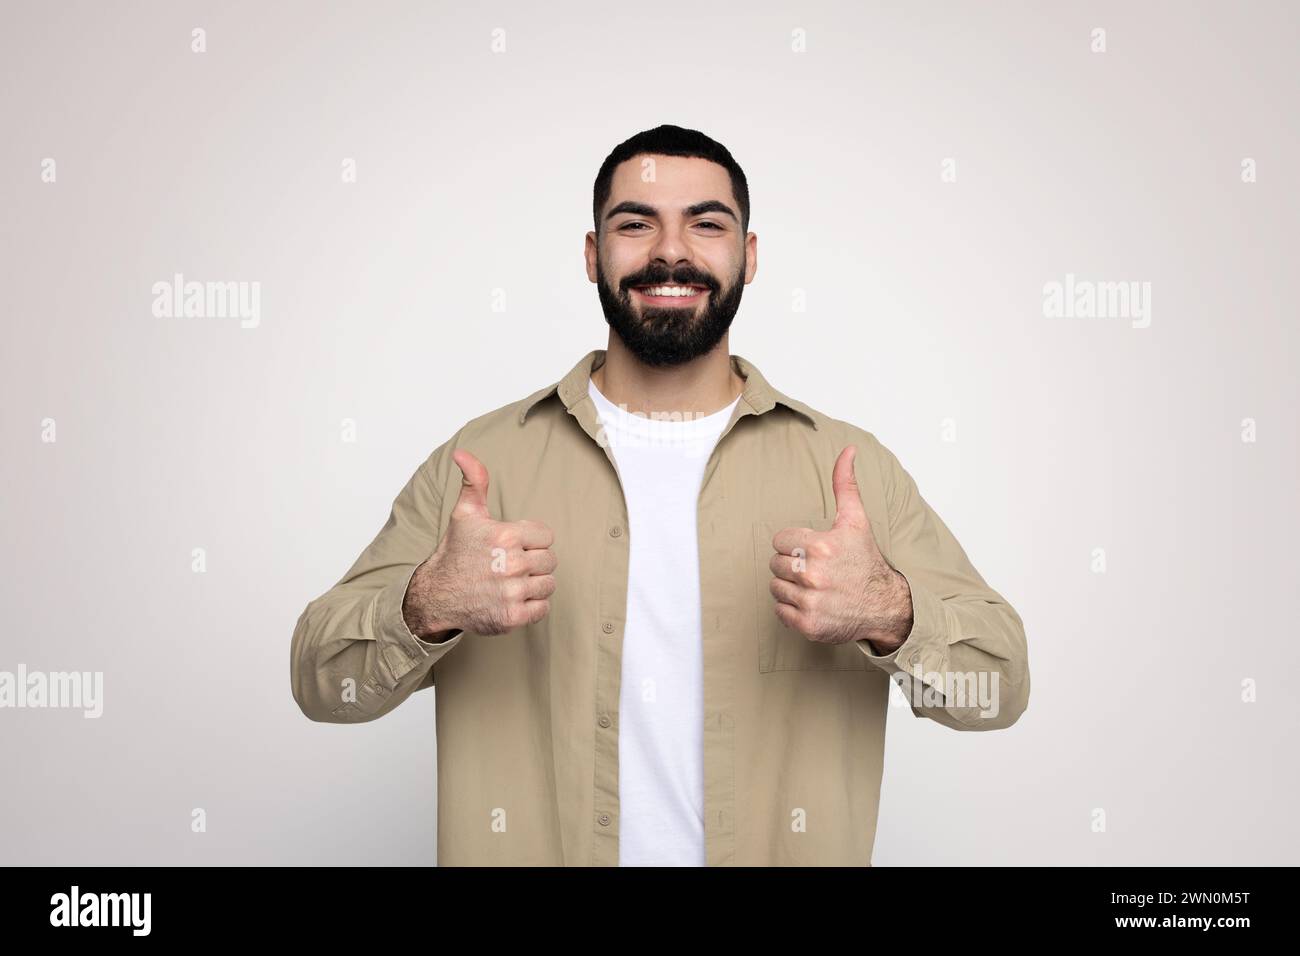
(527, 721)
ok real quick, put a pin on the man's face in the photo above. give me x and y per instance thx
(671, 261)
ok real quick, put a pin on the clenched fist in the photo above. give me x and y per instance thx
(487, 576)
(835, 586)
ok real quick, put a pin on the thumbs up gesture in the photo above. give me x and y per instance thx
(835, 586)
(486, 576)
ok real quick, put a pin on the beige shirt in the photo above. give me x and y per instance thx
(527, 721)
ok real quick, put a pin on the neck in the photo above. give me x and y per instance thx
(701, 386)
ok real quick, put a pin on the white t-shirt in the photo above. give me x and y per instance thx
(661, 700)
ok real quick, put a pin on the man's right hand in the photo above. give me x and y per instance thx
(487, 576)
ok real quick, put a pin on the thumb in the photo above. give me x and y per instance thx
(849, 512)
(473, 486)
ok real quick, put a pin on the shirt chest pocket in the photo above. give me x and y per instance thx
(782, 648)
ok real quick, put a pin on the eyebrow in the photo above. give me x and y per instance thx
(699, 209)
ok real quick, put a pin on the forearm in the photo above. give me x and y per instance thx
(353, 657)
(964, 661)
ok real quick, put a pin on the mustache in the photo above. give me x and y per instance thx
(666, 276)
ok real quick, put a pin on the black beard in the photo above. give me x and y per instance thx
(669, 335)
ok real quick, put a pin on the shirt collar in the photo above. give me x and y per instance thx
(760, 396)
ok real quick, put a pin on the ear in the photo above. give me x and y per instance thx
(589, 252)
(751, 256)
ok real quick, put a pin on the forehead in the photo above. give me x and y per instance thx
(669, 180)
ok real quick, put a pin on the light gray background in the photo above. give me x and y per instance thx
(474, 174)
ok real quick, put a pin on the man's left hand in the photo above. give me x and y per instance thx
(835, 586)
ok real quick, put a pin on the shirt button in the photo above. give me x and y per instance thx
(604, 819)
(604, 720)
(607, 627)
(615, 531)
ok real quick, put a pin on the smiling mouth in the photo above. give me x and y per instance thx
(671, 294)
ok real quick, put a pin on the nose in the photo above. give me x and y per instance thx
(670, 247)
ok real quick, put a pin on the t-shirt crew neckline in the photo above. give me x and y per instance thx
(688, 426)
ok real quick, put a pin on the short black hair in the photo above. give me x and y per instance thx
(671, 141)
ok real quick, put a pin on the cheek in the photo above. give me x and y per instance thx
(616, 267)
(725, 268)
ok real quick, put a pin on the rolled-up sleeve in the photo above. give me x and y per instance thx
(966, 658)
(353, 658)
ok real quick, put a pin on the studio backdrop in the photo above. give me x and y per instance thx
(1046, 253)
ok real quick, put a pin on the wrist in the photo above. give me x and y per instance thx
(893, 635)
(421, 610)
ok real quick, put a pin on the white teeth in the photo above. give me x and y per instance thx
(671, 290)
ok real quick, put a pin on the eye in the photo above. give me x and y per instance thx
(713, 225)
(628, 225)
